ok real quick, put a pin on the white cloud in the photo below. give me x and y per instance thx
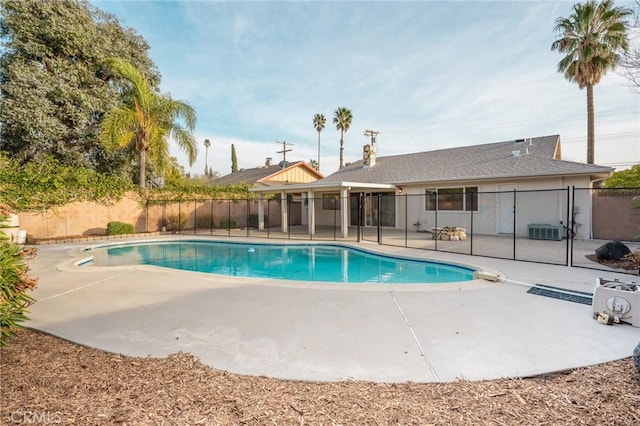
(426, 74)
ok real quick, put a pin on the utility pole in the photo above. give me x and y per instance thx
(372, 134)
(284, 151)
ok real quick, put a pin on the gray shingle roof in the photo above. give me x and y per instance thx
(247, 176)
(251, 176)
(487, 161)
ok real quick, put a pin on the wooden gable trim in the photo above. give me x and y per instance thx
(293, 166)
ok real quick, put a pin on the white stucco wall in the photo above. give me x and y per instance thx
(546, 203)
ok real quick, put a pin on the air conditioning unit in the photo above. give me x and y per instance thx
(617, 299)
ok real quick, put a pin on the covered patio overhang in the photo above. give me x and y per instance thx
(345, 189)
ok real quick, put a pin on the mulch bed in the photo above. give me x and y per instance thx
(625, 264)
(48, 379)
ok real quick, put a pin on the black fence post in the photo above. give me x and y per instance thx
(288, 218)
(195, 216)
(247, 218)
(228, 218)
(268, 216)
(146, 219)
(379, 228)
(164, 216)
(567, 236)
(515, 213)
(313, 204)
(211, 217)
(406, 220)
(334, 218)
(359, 217)
(179, 216)
(436, 235)
(470, 236)
(573, 206)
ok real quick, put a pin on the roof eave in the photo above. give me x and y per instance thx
(601, 173)
(319, 185)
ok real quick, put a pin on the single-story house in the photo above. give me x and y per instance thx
(483, 181)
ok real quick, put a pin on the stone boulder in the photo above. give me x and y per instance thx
(636, 356)
(613, 250)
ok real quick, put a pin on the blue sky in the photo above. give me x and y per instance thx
(427, 75)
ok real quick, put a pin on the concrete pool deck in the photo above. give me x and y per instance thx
(306, 331)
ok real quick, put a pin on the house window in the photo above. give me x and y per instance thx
(452, 199)
(331, 201)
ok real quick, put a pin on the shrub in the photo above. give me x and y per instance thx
(47, 183)
(204, 220)
(119, 228)
(14, 282)
(228, 224)
(176, 222)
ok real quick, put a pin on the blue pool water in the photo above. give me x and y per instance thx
(302, 262)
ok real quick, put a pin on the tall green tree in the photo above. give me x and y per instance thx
(342, 119)
(319, 122)
(54, 87)
(234, 159)
(591, 39)
(146, 121)
(207, 144)
(629, 178)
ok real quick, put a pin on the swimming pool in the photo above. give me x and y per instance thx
(297, 262)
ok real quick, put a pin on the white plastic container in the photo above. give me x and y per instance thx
(22, 236)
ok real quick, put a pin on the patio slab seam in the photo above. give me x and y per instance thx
(423, 354)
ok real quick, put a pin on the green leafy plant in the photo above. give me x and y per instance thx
(48, 183)
(629, 178)
(14, 283)
(119, 228)
(176, 222)
(228, 224)
(253, 220)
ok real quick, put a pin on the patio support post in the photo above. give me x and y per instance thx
(260, 212)
(284, 211)
(344, 212)
(311, 211)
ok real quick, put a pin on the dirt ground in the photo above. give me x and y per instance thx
(48, 380)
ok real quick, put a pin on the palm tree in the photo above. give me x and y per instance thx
(207, 144)
(591, 39)
(342, 120)
(146, 120)
(318, 123)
